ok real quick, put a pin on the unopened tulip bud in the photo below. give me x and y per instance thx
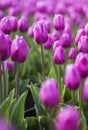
(40, 32)
(68, 119)
(23, 24)
(72, 53)
(49, 94)
(19, 49)
(59, 22)
(72, 77)
(59, 55)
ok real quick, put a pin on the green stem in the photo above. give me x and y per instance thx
(80, 97)
(42, 58)
(4, 81)
(17, 81)
(73, 97)
(59, 71)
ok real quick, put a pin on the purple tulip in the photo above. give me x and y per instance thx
(66, 40)
(56, 44)
(59, 55)
(23, 24)
(68, 119)
(5, 25)
(49, 43)
(80, 32)
(72, 77)
(59, 22)
(40, 32)
(14, 23)
(9, 65)
(19, 49)
(82, 64)
(49, 94)
(48, 23)
(55, 36)
(83, 44)
(72, 53)
(86, 29)
(30, 31)
(4, 47)
(85, 91)
(1, 14)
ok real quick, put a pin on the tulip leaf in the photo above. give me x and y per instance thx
(17, 114)
(4, 108)
(32, 123)
(83, 121)
(12, 104)
(40, 109)
(11, 94)
(47, 123)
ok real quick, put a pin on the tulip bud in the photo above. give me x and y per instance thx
(68, 119)
(56, 44)
(82, 64)
(49, 42)
(23, 24)
(59, 55)
(49, 94)
(14, 23)
(19, 49)
(72, 77)
(85, 91)
(40, 32)
(5, 25)
(59, 22)
(86, 29)
(72, 53)
(66, 40)
(4, 47)
(55, 36)
(9, 65)
(83, 44)
(80, 32)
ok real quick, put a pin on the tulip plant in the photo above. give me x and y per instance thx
(44, 65)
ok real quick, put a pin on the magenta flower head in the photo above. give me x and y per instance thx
(72, 77)
(59, 55)
(86, 29)
(9, 65)
(55, 36)
(23, 24)
(1, 14)
(4, 46)
(14, 23)
(48, 23)
(72, 53)
(59, 22)
(85, 91)
(68, 119)
(40, 32)
(83, 44)
(56, 44)
(49, 43)
(82, 64)
(49, 94)
(30, 31)
(66, 40)
(80, 32)
(5, 25)
(19, 49)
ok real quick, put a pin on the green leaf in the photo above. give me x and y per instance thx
(11, 107)
(23, 125)
(32, 123)
(4, 108)
(47, 123)
(40, 109)
(17, 114)
(83, 121)
(11, 94)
